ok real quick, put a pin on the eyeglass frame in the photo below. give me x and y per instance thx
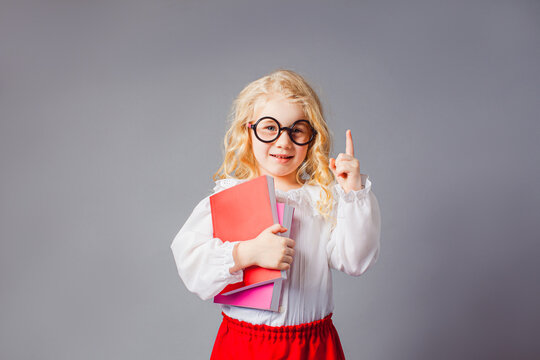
(281, 128)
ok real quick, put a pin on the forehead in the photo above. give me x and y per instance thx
(280, 108)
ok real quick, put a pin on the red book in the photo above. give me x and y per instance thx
(263, 297)
(240, 213)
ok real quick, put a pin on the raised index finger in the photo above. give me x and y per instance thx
(349, 147)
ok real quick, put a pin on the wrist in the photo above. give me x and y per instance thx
(241, 257)
(244, 253)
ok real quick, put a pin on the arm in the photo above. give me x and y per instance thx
(203, 262)
(354, 242)
(207, 264)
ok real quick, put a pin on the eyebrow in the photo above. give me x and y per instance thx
(280, 124)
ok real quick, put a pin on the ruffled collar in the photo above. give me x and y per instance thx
(294, 197)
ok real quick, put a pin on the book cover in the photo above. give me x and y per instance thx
(240, 213)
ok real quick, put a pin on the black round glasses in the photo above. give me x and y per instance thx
(267, 129)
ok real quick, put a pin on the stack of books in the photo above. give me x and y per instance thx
(241, 213)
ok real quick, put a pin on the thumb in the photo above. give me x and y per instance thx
(332, 164)
(334, 170)
(277, 228)
(333, 167)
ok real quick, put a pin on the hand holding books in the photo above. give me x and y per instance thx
(267, 250)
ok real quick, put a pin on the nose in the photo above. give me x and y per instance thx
(283, 139)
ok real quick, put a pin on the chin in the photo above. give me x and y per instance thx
(284, 173)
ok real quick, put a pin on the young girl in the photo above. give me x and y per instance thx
(278, 129)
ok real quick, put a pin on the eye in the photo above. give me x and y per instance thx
(270, 128)
(298, 131)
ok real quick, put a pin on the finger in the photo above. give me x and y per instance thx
(344, 157)
(287, 259)
(287, 252)
(283, 266)
(290, 243)
(349, 147)
(342, 170)
(333, 167)
(338, 171)
(345, 163)
(332, 163)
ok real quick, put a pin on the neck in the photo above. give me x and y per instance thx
(283, 185)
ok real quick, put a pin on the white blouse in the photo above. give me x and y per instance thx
(203, 262)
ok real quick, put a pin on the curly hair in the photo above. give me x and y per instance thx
(239, 161)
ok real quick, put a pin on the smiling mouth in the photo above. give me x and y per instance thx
(281, 156)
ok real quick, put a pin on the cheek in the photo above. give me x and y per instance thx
(258, 149)
(302, 154)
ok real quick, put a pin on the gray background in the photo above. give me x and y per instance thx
(112, 119)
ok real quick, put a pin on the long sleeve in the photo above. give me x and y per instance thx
(354, 242)
(203, 262)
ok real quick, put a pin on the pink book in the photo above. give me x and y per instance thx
(264, 297)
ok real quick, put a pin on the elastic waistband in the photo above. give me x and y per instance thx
(318, 326)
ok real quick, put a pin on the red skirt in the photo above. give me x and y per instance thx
(241, 340)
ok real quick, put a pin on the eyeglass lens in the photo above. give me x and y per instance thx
(268, 129)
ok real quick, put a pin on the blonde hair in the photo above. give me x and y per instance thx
(239, 161)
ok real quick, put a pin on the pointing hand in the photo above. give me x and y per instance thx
(346, 168)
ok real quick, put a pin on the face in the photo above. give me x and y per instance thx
(282, 169)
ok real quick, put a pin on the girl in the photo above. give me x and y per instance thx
(278, 129)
